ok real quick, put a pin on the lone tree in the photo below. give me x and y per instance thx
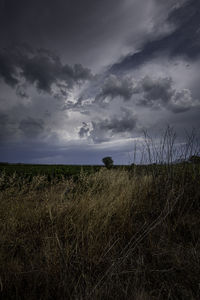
(108, 162)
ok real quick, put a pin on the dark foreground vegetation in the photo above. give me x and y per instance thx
(112, 234)
(28, 171)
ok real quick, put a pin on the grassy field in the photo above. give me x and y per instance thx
(124, 233)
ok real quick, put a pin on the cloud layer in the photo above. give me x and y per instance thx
(88, 77)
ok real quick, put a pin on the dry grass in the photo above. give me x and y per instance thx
(110, 235)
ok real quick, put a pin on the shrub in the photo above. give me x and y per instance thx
(108, 162)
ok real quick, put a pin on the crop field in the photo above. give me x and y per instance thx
(51, 171)
(119, 233)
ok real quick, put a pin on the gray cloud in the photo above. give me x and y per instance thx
(105, 129)
(84, 130)
(41, 68)
(8, 128)
(8, 69)
(182, 101)
(184, 40)
(116, 87)
(21, 91)
(149, 92)
(92, 32)
(31, 128)
(4, 132)
(158, 93)
(160, 89)
(13, 129)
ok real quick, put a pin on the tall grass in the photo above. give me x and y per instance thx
(115, 234)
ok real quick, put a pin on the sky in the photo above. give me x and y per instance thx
(81, 80)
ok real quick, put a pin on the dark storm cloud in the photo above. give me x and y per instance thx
(92, 32)
(8, 128)
(8, 69)
(49, 17)
(183, 41)
(31, 128)
(4, 132)
(39, 67)
(11, 128)
(149, 92)
(158, 93)
(160, 89)
(75, 29)
(116, 87)
(21, 91)
(104, 129)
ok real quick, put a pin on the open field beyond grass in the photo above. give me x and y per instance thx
(111, 234)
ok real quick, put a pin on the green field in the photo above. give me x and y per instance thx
(48, 170)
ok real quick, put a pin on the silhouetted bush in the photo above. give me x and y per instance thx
(108, 162)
